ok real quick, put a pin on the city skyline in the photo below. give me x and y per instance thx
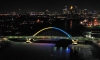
(43, 5)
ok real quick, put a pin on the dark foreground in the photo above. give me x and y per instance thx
(36, 51)
(48, 51)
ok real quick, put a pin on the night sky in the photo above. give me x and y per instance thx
(42, 5)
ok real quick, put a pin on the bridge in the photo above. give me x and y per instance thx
(47, 34)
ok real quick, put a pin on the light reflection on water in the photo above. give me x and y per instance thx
(62, 53)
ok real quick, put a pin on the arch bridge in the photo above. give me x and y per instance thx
(51, 34)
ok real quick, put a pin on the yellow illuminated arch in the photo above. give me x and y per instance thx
(42, 30)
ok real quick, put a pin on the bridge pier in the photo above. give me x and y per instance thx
(28, 40)
(63, 43)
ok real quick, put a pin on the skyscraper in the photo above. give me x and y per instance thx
(65, 11)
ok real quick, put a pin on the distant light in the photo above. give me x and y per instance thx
(71, 7)
(38, 21)
(19, 9)
(95, 20)
(92, 37)
(47, 10)
(85, 9)
(12, 19)
(85, 20)
(81, 22)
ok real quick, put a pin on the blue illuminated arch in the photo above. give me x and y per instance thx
(62, 31)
